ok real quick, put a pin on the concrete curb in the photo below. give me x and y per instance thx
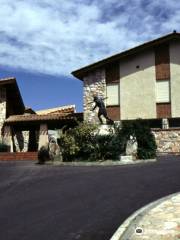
(129, 225)
(103, 163)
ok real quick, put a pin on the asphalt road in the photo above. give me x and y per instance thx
(84, 203)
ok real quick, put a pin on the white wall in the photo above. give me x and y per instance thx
(137, 87)
(175, 78)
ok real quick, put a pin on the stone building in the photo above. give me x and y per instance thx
(25, 130)
(142, 82)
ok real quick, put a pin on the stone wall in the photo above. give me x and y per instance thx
(168, 141)
(94, 83)
(2, 108)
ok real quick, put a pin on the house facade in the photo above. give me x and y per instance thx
(143, 82)
(26, 130)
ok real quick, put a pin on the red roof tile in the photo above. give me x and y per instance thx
(45, 117)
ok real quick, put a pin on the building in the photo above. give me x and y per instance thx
(142, 82)
(25, 130)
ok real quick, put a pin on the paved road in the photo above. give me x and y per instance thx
(83, 203)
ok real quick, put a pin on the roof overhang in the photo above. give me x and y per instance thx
(13, 94)
(35, 118)
(82, 72)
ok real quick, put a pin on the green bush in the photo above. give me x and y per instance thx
(78, 142)
(145, 139)
(84, 143)
(4, 147)
(43, 155)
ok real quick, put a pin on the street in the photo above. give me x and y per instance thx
(86, 203)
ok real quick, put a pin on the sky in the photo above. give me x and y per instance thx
(43, 41)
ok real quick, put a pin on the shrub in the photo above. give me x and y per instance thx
(145, 139)
(4, 147)
(43, 155)
(106, 147)
(68, 146)
(84, 143)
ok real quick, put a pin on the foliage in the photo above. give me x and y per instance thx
(68, 146)
(84, 142)
(43, 155)
(4, 147)
(145, 139)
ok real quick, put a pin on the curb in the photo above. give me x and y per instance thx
(125, 229)
(104, 163)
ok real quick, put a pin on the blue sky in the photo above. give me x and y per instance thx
(43, 41)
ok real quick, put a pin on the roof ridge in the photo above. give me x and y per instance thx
(7, 78)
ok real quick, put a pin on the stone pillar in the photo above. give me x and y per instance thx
(2, 109)
(43, 136)
(94, 83)
(26, 141)
(7, 137)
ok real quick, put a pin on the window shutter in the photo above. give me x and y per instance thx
(112, 94)
(162, 91)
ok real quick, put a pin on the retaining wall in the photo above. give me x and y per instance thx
(167, 140)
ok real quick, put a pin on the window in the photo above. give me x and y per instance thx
(112, 94)
(162, 91)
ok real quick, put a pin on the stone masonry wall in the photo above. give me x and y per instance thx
(168, 141)
(94, 83)
(2, 108)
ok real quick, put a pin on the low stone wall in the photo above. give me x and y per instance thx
(167, 140)
(7, 156)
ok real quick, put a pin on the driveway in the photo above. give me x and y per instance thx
(84, 203)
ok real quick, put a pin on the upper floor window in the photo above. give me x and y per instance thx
(163, 91)
(112, 92)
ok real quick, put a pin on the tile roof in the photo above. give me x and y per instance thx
(57, 110)
(43, 117)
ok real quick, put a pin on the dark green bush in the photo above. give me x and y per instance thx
(78, 142)
(145, 139)
(84, 143)
(43, 155)
(4, 147)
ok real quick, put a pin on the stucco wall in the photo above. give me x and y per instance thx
(2, 108)
(175, 78)
(94, 83)
(137, 87)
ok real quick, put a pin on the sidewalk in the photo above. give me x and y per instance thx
(159, 220)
